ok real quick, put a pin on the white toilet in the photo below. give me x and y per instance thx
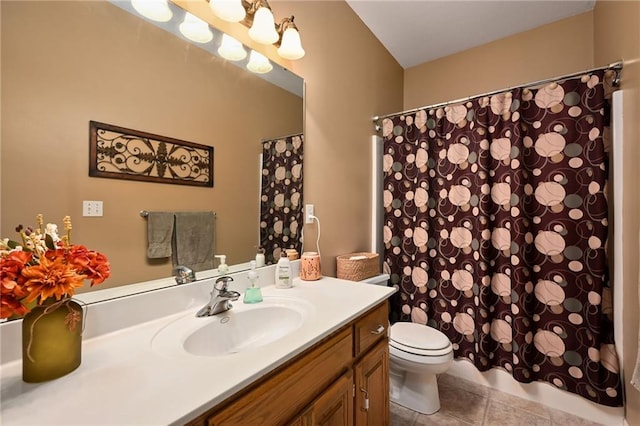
(417, 354)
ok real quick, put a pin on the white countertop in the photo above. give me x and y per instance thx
(124, 381)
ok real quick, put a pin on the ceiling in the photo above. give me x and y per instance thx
(418, 31)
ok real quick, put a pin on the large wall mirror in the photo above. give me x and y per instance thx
(67, 63)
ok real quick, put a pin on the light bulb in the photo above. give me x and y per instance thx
(228, 10)
(195, 29)
(259, 63)
(156, 10)
(291, 46)
(263, 29)
(231, 49)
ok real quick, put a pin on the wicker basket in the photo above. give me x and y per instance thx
(357, 269)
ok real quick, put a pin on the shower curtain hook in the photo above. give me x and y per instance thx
(376, 120)
(616, 78)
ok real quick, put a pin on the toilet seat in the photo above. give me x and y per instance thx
(418, 339)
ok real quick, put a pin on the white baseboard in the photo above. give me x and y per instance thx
(540, 392)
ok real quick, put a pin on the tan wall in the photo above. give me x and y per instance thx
(554, 49)
(65, 63)
(349, 79)
(617, 36)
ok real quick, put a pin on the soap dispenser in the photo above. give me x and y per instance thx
(283, 272)
(253, 293)
(222, 267)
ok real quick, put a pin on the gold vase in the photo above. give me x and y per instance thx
(51, 340)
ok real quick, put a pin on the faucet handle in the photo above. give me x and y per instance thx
(184, 274)
(222, 283)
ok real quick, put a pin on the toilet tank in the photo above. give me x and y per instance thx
(381, 279)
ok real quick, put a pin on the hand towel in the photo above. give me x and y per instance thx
(194, 240)
(159, 234)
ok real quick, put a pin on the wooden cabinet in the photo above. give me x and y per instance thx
(333, 407)
(342, 380)
(369, 329)
(280, 396)
(372, 386)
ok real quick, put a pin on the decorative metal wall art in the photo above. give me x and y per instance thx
(119, 153)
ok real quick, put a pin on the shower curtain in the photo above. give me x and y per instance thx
(281, 217)
(496, 228)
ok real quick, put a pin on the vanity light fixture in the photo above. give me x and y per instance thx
(258, 63)
(196, 29)
(258, 17)
(231, 49)
(290, 44)
(228, 10)
(156, 10)
(263, 29)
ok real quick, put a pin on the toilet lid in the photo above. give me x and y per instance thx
(418, 338)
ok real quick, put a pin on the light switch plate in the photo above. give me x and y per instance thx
(92, 208)
(308, 213)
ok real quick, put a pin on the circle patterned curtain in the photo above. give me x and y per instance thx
(495, 232)
(281, 217)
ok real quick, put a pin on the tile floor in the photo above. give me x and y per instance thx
(464, 403)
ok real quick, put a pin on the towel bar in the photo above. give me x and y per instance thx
(144, 213)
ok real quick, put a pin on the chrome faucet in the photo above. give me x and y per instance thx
(220, 298)
(184, 275)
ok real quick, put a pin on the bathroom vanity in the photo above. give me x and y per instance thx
(143, 360)
(341, 380)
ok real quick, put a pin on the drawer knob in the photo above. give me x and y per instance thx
(378, 330)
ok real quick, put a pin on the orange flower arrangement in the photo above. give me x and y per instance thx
(45, 266)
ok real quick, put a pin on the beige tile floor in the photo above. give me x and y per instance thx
(464, 403)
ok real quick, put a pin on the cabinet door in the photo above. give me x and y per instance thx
(372, 387)
(335, 406)
(304, 419)
(280, 396)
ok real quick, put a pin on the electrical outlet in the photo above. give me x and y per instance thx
(92, 208)
(308, 212)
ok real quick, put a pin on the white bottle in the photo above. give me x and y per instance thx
(223, 268)
(283, 272)
(260, 258)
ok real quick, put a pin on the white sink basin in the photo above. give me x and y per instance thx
(243, 328)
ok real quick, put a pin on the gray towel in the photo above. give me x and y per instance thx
(194, 240)
(159, 233)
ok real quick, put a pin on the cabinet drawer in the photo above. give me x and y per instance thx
(370, 328)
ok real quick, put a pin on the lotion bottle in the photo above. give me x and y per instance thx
(283, 272)
(223, 268)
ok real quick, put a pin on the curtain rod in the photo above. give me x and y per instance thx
(281, 137)
(615, 66)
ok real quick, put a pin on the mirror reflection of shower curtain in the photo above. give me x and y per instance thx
(281, 209)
